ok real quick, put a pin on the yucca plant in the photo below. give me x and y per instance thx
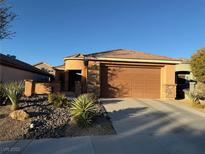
(57, 99)
(83, 110)
(13, 91)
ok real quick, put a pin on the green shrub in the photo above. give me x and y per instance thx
(57, 99)
(198, 65)
(13, 91)
(83, 110)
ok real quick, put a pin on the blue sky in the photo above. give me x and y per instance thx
(48, 30)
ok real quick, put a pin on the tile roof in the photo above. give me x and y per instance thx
(60, 67)
(128, 54)
(78, 55)
(39, 63)
(12, 62)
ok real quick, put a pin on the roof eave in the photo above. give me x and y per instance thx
(74, 58)
(128, 60)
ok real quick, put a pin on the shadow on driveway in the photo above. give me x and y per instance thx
(148, 130)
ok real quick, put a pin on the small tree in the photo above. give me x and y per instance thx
(6, 16)
(198, 65)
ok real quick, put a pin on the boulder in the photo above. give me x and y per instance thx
(19, 115)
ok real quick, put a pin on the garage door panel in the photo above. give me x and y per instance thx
(118, 88)
(125, 81)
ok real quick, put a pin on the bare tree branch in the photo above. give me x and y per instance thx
(6, 17)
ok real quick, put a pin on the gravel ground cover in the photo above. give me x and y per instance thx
(47, 121)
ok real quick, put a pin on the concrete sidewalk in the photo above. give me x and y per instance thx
(138, 144)
(49, 146)
(143, 127)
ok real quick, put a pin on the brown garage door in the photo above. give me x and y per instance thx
(130, 81)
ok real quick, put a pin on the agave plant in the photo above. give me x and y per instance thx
(13, 91)
(83, 110)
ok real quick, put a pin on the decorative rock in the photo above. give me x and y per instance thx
(31, 125)
(19, 115)
(45, 120)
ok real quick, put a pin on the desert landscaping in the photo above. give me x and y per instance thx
(50, 116)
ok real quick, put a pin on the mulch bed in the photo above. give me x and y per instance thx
(48, 122)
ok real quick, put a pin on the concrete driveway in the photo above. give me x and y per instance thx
(142, 126)
(154, 126)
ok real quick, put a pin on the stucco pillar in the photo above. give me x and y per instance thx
(93, 82)
(29, 87)
(168, 88)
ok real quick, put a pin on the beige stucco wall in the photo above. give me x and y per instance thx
(75, 65)
(9, 74)
(42, 88)
(169, 74)
(168, 86)
(32, 87)
(185, 67)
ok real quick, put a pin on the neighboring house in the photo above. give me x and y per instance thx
(45, 67)
(56, 71)
(14, 69)
(121, 73)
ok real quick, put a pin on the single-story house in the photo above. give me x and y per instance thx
(45, 67)
(121, 73)
(56, 71)
(13, 69)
